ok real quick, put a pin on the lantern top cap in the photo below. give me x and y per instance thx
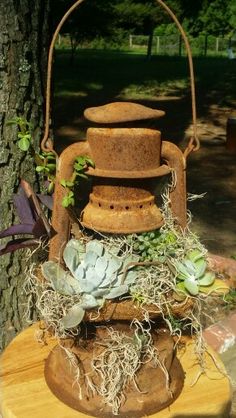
(119, 112)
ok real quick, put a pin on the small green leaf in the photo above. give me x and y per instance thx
(207, 279)
(73, 317)
(63, 182)
(200, 266)
(192, 287)
(61, 281)
(24, 135)
(82, 175)
(219, 287)
(181, 270)
(68, 200)
(51, 166)
(39, 168)
(69, 184)
(24, 144)
(50, 187)
(194, 255)
(14, 121)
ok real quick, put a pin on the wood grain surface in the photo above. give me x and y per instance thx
(24, 393)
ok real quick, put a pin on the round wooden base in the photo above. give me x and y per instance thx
(25, 394)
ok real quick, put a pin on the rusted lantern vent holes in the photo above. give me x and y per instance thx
(120, 205)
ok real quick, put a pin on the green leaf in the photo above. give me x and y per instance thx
(73, 317)
(24, 144)
(24, 135)
(61, 281)
(63, 182)
(40, 168)
(180, 292)
(194, 255)
(191, 286)
(219, 287)
(191, 267)
(78, 167)
(14, 121)
(73, 255)
(182, 271)
(82, 175)
(200, 266)
(90, 162)
(50, 187)
(51, 166)
(207, 279)
(69, 184)
(68, 200)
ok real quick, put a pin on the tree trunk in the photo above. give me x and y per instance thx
(23, 55)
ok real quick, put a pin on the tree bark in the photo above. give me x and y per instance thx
(23, 55)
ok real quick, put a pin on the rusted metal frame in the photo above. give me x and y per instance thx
(60, 216)
(176, 161)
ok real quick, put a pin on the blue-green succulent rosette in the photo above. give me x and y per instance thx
(94, 273)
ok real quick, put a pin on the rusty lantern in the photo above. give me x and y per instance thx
(129, 157)
(127, 160)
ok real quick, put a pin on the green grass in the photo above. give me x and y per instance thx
(130, 76)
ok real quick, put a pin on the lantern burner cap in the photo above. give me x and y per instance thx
(119, 112)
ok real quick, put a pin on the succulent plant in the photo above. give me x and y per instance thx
(96, 275)
(192, 274)
(155, 245)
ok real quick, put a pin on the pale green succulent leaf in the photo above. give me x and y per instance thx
(79, 273)
(73, 254)
(181, 269)
(109, 281)
(61, 281)
(191, 268)
(114, 265)
(207, 279)
(115, 292)
(194, 255)
(95, 246)
(90, 258)
(73, 317)
(180, 286)
(100, 293)
(101, 266)
(180, 292)
(201, 266)
(86, 286)
(129, 277)
(89, 302)
(93, 277)
(191, 286)
(218, 287)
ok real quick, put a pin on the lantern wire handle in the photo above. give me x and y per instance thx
(194, 143)
(47, 144)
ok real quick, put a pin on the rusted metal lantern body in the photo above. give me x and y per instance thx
(128, 162)
(123, 199)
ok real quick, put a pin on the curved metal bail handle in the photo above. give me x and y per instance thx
(46, 143)
(194, 143)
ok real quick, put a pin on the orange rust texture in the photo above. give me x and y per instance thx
(60, 217)
(175, 160)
